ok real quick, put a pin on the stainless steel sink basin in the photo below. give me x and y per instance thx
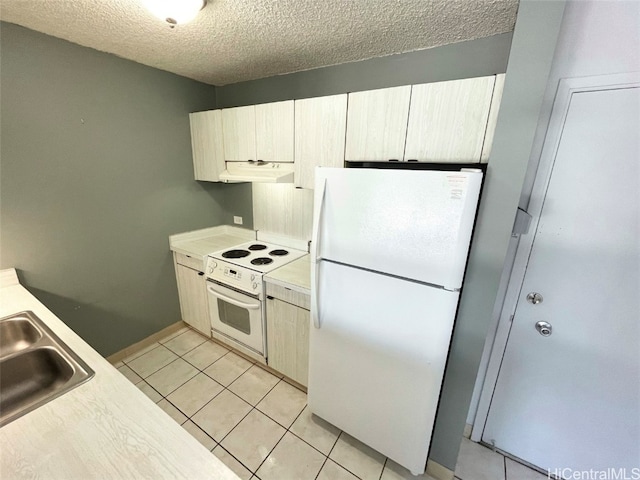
(17, 334)
(35, 366)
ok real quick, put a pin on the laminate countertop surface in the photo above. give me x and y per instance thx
(105, 428)
(201, 243)
(295, 275)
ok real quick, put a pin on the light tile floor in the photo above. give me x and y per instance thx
(258, 424)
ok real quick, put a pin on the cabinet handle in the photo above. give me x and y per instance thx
(201, 273)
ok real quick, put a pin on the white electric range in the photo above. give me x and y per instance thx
(236, 292)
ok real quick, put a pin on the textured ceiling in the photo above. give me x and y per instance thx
(236, 40)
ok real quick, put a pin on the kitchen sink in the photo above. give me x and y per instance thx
(17, 334)
(35, 366)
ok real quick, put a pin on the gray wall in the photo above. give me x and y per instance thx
(530, 59)
(485, 56)
(95, 174)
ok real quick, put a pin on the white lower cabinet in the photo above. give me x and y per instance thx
(192, 290)
(288, 339)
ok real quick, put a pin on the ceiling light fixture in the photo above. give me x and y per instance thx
(175, 12)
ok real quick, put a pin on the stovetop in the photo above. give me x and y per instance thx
(258, 256)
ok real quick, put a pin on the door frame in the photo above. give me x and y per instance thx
(566, 88)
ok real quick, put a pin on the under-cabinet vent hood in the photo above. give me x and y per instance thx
(264, 172)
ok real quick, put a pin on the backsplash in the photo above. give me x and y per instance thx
(283, 209)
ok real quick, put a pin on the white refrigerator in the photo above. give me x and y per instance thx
(390, 249)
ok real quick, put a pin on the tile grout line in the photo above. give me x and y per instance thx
(223, 389)
(182, 384)
(233, 393)
(160, 343)
(504, 466)
(287, 429)
(253, 407)
(155, 371)
(352, 473)
(189, 418)
(384, 465)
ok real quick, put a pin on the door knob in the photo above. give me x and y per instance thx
(544, 328)
(534, 298)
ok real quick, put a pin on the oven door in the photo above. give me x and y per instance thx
(236, 315)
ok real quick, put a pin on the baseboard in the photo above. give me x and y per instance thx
(438, 471)
(467, 431)
(144, 343)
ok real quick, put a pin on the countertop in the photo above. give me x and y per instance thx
(200, 243)
(295, 275)
(105, 428)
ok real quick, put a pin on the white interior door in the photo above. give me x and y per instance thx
(571, 400)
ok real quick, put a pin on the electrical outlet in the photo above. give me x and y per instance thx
(237, 220)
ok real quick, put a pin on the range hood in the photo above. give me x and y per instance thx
(263, 172)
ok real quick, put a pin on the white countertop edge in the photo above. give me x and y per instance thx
(290, 286)
(8, 277)
(185, 249)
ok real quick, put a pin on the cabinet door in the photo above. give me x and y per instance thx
(239, 128)
(207, 145)
(274, 132)
(377, 124)
(493, 117)
(448, 120)
(320, 129)
(288, 339)
(192, 290)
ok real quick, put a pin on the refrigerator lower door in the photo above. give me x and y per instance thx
(377, 358)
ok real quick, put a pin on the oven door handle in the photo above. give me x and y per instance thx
(233, 301)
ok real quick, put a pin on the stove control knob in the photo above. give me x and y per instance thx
(253, 277)
(210, 269)
(255, 285)
(214, 265)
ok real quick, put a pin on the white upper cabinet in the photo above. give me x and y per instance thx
(320, 127)
(259, 132)
(239, 127)
(451, 121)
(377, 124)
(448, 120)
(207, 145)
(493, 117)
(274, 131)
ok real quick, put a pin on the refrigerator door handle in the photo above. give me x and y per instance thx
(315, 280)
(315, 308)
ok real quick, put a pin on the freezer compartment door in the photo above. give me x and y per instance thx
(377, 359)
(411, 223)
